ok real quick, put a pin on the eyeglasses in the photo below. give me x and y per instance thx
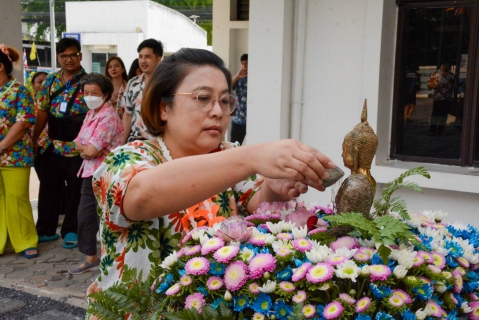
(65, 57)
(206, 101)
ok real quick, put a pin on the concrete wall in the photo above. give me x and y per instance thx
(348, 55)
(121, 30)
(11, 31)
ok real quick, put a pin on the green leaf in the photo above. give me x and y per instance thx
(224, 310)
(209, 313)
(384, 253)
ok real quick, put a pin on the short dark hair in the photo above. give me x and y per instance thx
(38, 73)
(105, 84)
(155, 45)
(66, 43)
(244, 57)
(124, 76)
(132, 72)
(166, 79)
(9, 59)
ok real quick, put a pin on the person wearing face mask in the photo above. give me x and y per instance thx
(101, 132)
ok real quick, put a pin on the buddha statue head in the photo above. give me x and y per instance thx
(359, 147)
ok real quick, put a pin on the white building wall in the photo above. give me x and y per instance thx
(120, 26)
(348, 56)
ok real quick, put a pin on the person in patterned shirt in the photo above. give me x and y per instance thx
(152, 191)
(16, 157)
(150, 53)
(60, 102)
(240, 86)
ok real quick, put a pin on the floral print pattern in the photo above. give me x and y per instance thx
(116, 99)
(241, 89)
(52, 83)
(131, 103)
(16, 105)
(144, 244)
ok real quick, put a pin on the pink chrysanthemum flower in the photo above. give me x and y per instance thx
(379, 272)
(403, 295)
(317, 230)
(344, 242)
(347, 298)
(302, 244)
(309, 311)
(264, 226)
(258, 316)
(418, 260)
(320, 272)
(369, 251)
(458, 281)
(434, 308)
(463, 262)
(299, 297)
(284, 236)
(474, 314)
(261, 263)
(211, 245)
(474, 296)
(474, 266)
(174, 289)
(453, 299)
(186, 280)
(363, 304)
(254, 288)
(335, 261)
(283, 252)
(191, 251)
(180, 253)
(197, 266)
(333, 310)
(439, 259)
(426, 256)
(286, 286)
(236, 275)
(434, 269)
(187, 237)
(301, 271)
(361, 256)
(396, 301)
(214, 283)
(195, 300)
(250, 224)
(225, 254)
(259, 240)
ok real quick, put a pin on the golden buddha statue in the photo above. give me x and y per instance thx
(357, 192)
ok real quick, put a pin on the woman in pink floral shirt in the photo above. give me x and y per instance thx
(101, 132)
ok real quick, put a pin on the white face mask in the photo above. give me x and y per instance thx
(93, 102)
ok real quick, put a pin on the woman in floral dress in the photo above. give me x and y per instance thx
(115, 70)
(151, 191)
(16, 158)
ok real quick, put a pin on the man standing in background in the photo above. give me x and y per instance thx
(150, 53)
(240, 85)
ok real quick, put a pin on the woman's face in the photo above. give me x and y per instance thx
(38, 82)
(190, 130)
(92, 90)
(115, 69)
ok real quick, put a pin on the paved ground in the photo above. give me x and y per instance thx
(44, 277)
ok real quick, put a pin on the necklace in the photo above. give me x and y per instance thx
(166, 152)
(4, 90)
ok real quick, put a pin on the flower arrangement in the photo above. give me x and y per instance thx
(285, 262)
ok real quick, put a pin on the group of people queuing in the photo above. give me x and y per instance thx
(64, 129)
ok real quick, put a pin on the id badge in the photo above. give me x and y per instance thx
(63, 107)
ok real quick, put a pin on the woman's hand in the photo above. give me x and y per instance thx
(290, 160)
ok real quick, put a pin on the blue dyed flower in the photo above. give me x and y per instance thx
(455, 249)
(217, 269)
(282, 310)
(452, 315)
(361, 316)
(262, 230)
(451, 262)
(240, 303)
(383, 316)
(380, 292)
(286, 274)
(262, 304)
(182, 272)
(408, 315)
(203, 291)
(264, 250)
(163, 287)
(423, 292)
(216, 303)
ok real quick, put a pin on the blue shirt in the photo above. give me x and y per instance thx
(241, 88)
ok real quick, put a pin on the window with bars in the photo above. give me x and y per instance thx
(239, 10)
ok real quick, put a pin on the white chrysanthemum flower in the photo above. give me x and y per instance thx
(288, 225)
(421, 314)
(465, 307)
(459, 225)
(317, 255)
(256, 232)
(440, 249)
(365, 270)
(246, 254)
(400, 271)
(343, 252)
(268, 287)
(471, 257)
(169, 261)
(415, 220)
(300, 232)
(228, 297)
(204, 238)
(404, 257)
(440, 287)
(366, 243)
(275, 228)
(435, 216)
(269, 239)
(235, 243)
(279, 244)
(348, 270)
(197, 234)
(429, 309)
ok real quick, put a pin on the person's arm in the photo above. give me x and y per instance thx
(128, 108)
(42, 103)
(126, 120)
(241, 74)
(89, 152)
(181, 183)
(40, 122)
(15, 133)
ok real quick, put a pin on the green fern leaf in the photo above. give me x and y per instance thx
(225, 311)
(384, 253)
(209, 313)
(356, 220)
